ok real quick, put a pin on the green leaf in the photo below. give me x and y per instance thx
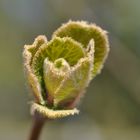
(83, 33)
(57, 48)
(54, 73)
(28, 54)
(74, 82)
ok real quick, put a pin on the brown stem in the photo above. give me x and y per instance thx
(38, 122)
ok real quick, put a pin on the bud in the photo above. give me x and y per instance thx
(59, 70)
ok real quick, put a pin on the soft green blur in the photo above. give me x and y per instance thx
(111, 107)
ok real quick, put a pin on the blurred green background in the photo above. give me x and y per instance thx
(111, 107)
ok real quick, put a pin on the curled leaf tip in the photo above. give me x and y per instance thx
(52, 114)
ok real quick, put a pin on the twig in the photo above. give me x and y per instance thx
(38, 123)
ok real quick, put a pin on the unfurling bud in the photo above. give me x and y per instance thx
(59, 70)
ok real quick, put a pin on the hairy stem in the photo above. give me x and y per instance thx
(38, 123)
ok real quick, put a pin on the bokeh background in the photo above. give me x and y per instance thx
(111, 107)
